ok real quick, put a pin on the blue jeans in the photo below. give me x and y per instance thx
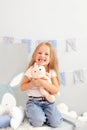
(4, 121)
(43, 112)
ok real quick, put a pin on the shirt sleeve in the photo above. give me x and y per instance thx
(53, 73)
(28, 73)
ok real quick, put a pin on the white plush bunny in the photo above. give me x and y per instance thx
(17, 116)
(8, 106)
(83, 117)
(63, 108)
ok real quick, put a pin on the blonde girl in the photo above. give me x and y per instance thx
(38, 110)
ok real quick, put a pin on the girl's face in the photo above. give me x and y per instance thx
(43, 55)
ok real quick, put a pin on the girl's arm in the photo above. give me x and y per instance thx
(50, 87)
(26, 83)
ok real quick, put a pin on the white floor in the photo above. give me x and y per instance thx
(26, 126)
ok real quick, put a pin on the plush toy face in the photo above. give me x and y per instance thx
(38, 71)
(8, 100)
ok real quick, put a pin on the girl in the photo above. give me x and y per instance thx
(40, 111)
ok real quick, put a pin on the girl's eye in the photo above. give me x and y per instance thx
(46, 53)
(39, 52)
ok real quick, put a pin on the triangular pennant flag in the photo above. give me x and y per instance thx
(70, 45)
(28, 42)
(54, 43)
(78, 76)
(8, 39)
(63, 78)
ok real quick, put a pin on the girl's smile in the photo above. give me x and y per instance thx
(43, 55)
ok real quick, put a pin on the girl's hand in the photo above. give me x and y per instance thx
(38, 82)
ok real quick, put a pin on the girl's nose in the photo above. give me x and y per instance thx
(42, 55)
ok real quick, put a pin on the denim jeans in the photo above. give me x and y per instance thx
(43, 112)
(4, 121)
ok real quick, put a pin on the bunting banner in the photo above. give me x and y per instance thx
(78, 76)
(53, 42)
(29, 43)
(63, 78)
(8, 40)
(70, 45)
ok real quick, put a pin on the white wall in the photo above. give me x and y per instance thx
(74, 95)
(43, 19)
(51, 19)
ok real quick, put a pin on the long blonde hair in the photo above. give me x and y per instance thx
(53, 58)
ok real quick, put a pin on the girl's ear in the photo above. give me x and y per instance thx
(35, 64)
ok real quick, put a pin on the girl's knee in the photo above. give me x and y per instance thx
(56, 123)
(37, 123)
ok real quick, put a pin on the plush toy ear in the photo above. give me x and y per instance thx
(5, 89)
(62, 107)
(28, 73)
(16, 80)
